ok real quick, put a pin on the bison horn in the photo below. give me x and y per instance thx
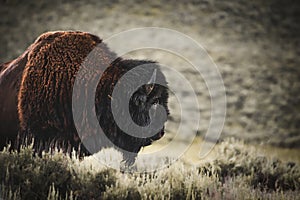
(153, 77)
(151, 83)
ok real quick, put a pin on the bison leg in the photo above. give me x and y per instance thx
(129, 158)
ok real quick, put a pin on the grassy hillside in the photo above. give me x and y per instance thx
(255, 45)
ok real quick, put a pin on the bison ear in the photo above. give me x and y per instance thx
(151, 82)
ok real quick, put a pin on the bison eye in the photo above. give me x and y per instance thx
(140, 100)
(155, 101)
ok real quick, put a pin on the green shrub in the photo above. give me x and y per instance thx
(34, 177)
(234, 159)
(93, 185)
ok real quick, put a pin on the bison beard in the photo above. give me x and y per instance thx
(39, 100)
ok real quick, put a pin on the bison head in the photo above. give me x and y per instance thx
(142, 105)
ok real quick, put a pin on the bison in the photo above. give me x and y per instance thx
(36, 96)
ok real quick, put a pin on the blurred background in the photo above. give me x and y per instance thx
(255, 45)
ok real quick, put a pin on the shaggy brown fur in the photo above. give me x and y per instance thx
(10, 79)
(43, 78)
(44, 99)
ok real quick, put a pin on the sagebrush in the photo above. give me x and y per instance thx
(238, 172)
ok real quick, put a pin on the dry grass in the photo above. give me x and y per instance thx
(239, 172)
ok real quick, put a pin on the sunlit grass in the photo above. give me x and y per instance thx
(233, 171)
(192, 154)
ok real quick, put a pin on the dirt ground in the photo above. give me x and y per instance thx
(255, 45)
